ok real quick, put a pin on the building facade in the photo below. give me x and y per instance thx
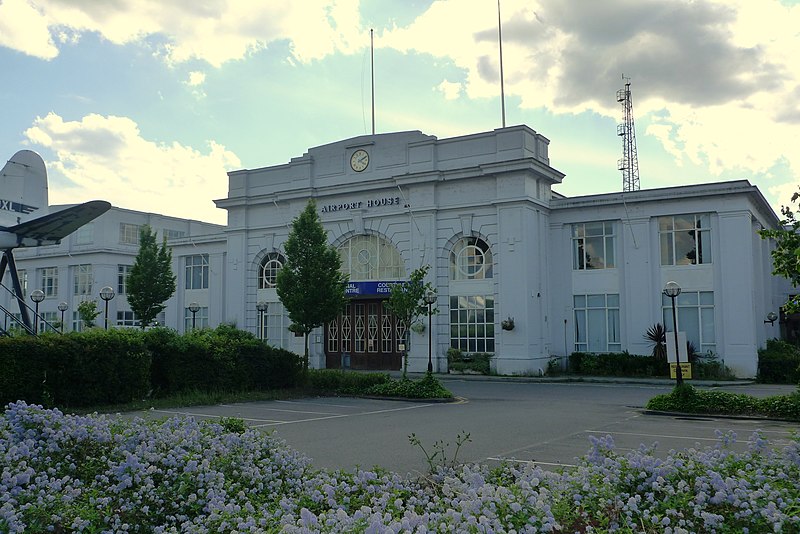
(520, 271)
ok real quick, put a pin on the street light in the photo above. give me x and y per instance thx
(107, 293)
(261, 306)
(771, 318)
(62, 307)
(430, 298)
(37, 296)
(194, 308)
(672, 290)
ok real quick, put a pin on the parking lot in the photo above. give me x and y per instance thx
(546, 423)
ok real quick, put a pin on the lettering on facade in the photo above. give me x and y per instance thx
(371, 203)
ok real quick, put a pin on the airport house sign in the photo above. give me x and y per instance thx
(371, 203)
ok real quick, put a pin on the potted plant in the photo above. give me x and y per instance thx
(507, 324)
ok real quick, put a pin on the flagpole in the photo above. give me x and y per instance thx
(502, 83)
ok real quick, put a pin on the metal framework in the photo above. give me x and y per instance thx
(629, 164)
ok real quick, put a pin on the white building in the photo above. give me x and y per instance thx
(581, 273)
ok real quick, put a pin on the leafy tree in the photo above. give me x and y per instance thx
(88, 312)
(310, 284)
(786, 256)
(151, 281)
(407, 302)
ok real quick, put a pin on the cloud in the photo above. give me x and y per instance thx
(107, 158)
(24, 28)
(196, 78)
(215, 31)
(450, 90)
(717, 81)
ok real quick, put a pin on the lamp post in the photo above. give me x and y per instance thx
(430, 298)
(672, 290)
(194, 308)
(771, 318)
(37, 296)
(261, 306)
(107, 293)
(62, 307)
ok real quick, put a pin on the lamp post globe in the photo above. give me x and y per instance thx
(430, 298)
(107, 293)
(194, 308)
(62, 307)
(262, 307)
(37, 296)
(672, 290)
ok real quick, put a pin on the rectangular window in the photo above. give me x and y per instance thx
(82, 279)
(169, 235)
(77, 324)
(49, 277)
(128, 234)
(685, 239)
(197, 271)
(597, 323)
(472, 323)
(123, 272)
(200, 319)
(49, 322)
(127, 319)
(695, 311)
(593, 245)
(84, 235)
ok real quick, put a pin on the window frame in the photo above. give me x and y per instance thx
(191, 268)
(581, 260)
(669, 235)
(583, 306)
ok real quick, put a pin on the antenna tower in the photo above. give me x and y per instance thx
(629, 164)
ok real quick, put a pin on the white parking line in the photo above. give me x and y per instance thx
(317, 404)
(373, 412)
(672, 436)
(213, 416)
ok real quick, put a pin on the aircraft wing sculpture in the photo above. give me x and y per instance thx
(26, 219)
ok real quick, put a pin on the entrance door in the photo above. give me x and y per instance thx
(368, 333)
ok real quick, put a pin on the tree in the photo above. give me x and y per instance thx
(786, 256)
(407, 302)
(88, 312)
(310, 284)
(150, 282)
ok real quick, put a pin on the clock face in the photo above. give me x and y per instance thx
(359, 160)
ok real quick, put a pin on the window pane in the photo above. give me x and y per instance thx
(685, 252)
(703, 247)
(596, 301)
(612, 300)
(610, 253)
(687, 298)
(664, 224)
(689, 322)
(579, 301)
(707, 298)
(613, 326)
(707, 325)
(580, 326)
(666, 250)
(597, 330)
(684, 222)
(595, 257)
(595, 228)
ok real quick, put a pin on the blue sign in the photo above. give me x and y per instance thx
(370, 288)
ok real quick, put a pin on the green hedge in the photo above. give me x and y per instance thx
(779, 363)
(687, 399)
(117, 366)
(76, 369)
(616, 364)
(480, 362)
(344, 382)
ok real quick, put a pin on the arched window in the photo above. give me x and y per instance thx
(268, 270)
(471, 259)
(370, 257)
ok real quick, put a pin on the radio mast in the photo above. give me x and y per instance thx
(629, 164)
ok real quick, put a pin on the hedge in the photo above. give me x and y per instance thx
(687, 399)
(616, 364)
(117, 366)
(779, 363)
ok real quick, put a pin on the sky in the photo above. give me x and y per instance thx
(148, 104)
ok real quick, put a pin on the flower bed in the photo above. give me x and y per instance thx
(70, 473)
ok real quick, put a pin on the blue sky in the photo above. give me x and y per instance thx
(148, 104)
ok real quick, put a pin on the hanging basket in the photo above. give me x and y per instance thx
(507, 324)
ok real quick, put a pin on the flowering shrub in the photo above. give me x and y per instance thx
(69, 473)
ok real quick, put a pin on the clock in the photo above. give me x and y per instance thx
(359, 160)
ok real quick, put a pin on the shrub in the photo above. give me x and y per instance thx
(687, 399)
(427, 387)
(76, 369)
(479, 362)
(616, 364)
(346, 382)
(779, 363)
